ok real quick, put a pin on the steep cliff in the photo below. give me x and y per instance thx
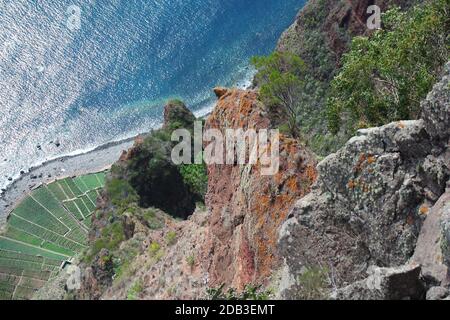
(370, 202)
(231, 242)
(247, 209)
(320, 35)
(371, 221)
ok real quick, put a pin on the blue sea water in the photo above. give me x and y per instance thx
(108, 79)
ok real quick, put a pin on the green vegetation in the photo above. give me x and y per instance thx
(385, 76)
(121, 193)
(195, 176)
(190, 260)
(171, 238)
(112, 235)
(250, 292)
(135, 290)
(155, 251)
(178, 116)
(47, 228)
(280, 79)
(313, 284)
(149, 178)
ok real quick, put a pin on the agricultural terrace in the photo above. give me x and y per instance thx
(48, 227)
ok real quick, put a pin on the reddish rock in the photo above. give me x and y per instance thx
(220, 91)
(247, 209)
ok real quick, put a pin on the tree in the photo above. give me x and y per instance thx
(385, 76)
(279, 78)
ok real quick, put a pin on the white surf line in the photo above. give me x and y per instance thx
(31, 196)
(33, 246)
(51, 231)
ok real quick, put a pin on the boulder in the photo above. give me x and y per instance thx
(220, 92)
(429, 250)
(437, 293)
(371, 199)
(402, 283)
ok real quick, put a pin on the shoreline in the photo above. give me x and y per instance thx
(79, 162)
(98, 159)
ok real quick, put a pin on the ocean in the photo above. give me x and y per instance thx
(75, 75)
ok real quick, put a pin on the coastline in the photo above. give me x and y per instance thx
(96, 160)
(79, 162)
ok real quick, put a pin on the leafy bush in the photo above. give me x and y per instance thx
(152, 220)
(313, 283)
(121, 193)
(280, 79)
(154, 248)
(111, 237)
(385, 76)
(157, 179)
(195, 176)
(171, 238)
(250, 292)
(190, 260)
(135, 290)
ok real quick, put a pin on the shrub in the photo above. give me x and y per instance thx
(135, 290)
(171, 238)
(120, 192)
(196, 178)
(385, 76)
(157, 180)
(250, 292)
(190, 260)
(154, 248)
(313, 283)
(152, 220)
(280, 77)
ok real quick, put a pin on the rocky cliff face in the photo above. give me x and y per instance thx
(247, 209)
(371, 200)
(232, 241)
(327, 27)
(320, 35)
(374, 216)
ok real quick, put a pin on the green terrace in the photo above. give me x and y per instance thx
(49, 227)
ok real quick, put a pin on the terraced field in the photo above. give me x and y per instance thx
(46, 229)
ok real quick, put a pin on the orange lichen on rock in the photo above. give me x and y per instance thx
(371, 159)
(351, 184)
(247, 209)
(424, 210)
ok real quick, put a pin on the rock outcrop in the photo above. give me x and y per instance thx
(232, 241)
(320, 35)
(402, 283)
(371, 199)
(331, 25)
(247, 208)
